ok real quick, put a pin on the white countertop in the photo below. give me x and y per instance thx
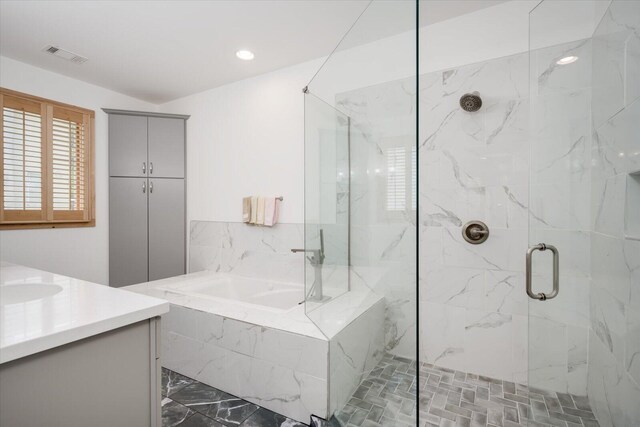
(79, 310)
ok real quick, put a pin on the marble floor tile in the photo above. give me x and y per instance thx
(174, 413)
(196, 404)
(199, 420)
(172, 382)
(213, 403)
(266, 418)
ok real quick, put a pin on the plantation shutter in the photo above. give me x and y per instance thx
(47, 163)
(70, 166)
(396, 179)
(22, 160)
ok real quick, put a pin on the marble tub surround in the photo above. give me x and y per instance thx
(275, 359)
(79, 310)
(614, 332)
(233, 247)
(186, 402)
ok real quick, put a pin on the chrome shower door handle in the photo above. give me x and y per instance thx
(556, 272)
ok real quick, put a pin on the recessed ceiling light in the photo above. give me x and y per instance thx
(245, 55)
(567, 60)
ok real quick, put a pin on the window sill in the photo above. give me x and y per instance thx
(36, 225)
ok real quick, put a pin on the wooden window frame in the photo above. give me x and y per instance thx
(47, 217)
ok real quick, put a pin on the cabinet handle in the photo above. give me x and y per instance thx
(151, 187)
(151, 167)
(144, 167)
(144, 187)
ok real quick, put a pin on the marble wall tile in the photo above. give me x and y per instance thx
(632, 68)
(479, 169)
(383, 243)
(617, 149)
(608, 68)
(578, 338)
(608, 320)
(610, 267)
(632, 345)
(443, 335)
(552, 78)
(353, 353)
(247, 250)
(487, 343)
(612, 394)
(608, 205)
(547, 354)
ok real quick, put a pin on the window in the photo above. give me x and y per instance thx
(401, 179)
(46, 163)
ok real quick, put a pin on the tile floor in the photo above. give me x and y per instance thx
(386, 397)
(189, 403)
(451, 398)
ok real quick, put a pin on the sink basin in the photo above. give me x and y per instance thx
(15, 294)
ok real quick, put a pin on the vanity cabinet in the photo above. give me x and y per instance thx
(147, 229)
(109, 379)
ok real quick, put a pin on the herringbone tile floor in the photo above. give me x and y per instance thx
(451, 398)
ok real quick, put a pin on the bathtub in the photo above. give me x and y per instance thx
(250, 337)
(278, 297)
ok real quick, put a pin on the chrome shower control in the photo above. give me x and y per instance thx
(475, 232)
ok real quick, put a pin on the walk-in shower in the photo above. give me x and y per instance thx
(515, 202)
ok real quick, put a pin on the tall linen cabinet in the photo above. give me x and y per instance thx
(147, 195)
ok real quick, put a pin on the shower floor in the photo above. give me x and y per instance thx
(453, 398)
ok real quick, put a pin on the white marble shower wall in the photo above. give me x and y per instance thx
(476, 166)
(383, 237)
(614, 335)
(247, 250)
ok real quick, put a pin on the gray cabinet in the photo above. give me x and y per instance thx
(127, 145)
(128, 231)
(147, 228)
(166, 227)
(109, 379)
(166, 147)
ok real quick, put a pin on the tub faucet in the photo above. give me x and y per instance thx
(316, 260)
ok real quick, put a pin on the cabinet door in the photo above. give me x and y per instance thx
(166, 228)
(127, 145)
(166, 147)
(128, 251)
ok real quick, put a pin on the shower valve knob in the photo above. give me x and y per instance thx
(475, 232)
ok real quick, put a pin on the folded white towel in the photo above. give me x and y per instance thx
(260, 214)
(254, 209)
(246, 209)
(271, 211)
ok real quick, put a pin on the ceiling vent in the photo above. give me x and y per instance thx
(65, 54)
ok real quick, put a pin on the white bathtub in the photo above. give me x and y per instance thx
(267, 295)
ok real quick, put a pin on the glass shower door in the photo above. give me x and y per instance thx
(583, 259)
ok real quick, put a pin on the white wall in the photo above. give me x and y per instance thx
(76, 252)
(246, 138)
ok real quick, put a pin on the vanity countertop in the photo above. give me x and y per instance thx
(50, 310)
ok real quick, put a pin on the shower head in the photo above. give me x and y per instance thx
(471, 102)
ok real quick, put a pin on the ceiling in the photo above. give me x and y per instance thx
(162, 50)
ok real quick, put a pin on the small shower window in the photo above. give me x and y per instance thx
(401, 179)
